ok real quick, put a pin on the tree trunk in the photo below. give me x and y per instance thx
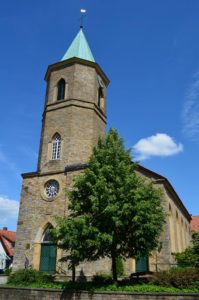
(73, 272)
(114, 267)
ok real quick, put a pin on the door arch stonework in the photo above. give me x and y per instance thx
(38, 243)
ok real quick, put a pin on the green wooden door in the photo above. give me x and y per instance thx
(142, 264)
(48, 258)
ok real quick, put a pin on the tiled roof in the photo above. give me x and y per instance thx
(7, 238)
(195, 223)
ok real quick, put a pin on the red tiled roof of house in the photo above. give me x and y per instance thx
(195, 223)
(7, 239)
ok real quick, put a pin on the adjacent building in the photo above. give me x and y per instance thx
(195, 224)
(7, 243)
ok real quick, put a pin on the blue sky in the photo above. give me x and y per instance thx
(150, 52)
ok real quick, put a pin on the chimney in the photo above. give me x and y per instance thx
(5, 228)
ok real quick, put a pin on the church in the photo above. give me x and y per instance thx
(74, 117)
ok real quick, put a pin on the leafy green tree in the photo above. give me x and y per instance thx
(114, 212)
(75, 235)
(190, 257)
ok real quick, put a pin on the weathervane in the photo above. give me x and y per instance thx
(83, 15)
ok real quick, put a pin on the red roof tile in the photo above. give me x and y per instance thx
(195, 223)
(7, 239)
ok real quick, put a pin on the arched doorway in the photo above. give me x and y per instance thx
(48, 252)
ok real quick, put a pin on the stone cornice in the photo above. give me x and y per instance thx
(80, 61)
(77, 103)
(68, 168)
(38, 174)
(75, 167)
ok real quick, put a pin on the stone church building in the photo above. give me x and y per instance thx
(74, 116)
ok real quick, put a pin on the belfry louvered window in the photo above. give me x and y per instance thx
(56, 146)
(100, 96)
(61, 89)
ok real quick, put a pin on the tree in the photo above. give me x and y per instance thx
(73, 234)
(121, 214)
(190, 257)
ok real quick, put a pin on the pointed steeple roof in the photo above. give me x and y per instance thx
(79, 48)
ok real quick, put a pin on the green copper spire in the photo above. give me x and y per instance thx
(79, 48)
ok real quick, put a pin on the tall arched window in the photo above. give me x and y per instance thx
(178, 235)
(183, 234)
(172, 231)
(56, 146)
(61, 89)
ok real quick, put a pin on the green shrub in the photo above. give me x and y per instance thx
(8, 271)
(102, 278)
(194, 285)
(177, 277)
(162, 278)
(28, 276)
(190, 257)
(178, 269)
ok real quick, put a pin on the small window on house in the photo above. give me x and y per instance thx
(56, 146)
(61, 89)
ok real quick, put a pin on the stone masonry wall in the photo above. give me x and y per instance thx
(77, 118)
(10, 293)
(36, 212)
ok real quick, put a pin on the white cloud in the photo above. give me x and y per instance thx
(160, 144)
(190, 114)
(8, 212)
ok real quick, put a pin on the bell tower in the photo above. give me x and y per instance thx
(74, 117)
(75, 108)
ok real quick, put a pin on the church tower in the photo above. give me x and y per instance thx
(75, 108)
(74, 117)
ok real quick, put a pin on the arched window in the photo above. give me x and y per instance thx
(172, 231)
(170, 210)
(47, 237)
(61, 89)
(56, 146)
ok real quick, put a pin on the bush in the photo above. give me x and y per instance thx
(8, 271)
(195, 285)
(28, 276)
(102, 278)
(177, 277)
(190, 257)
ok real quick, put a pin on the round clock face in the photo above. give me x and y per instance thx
(51, 188)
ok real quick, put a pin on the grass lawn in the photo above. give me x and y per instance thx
(90, 286)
